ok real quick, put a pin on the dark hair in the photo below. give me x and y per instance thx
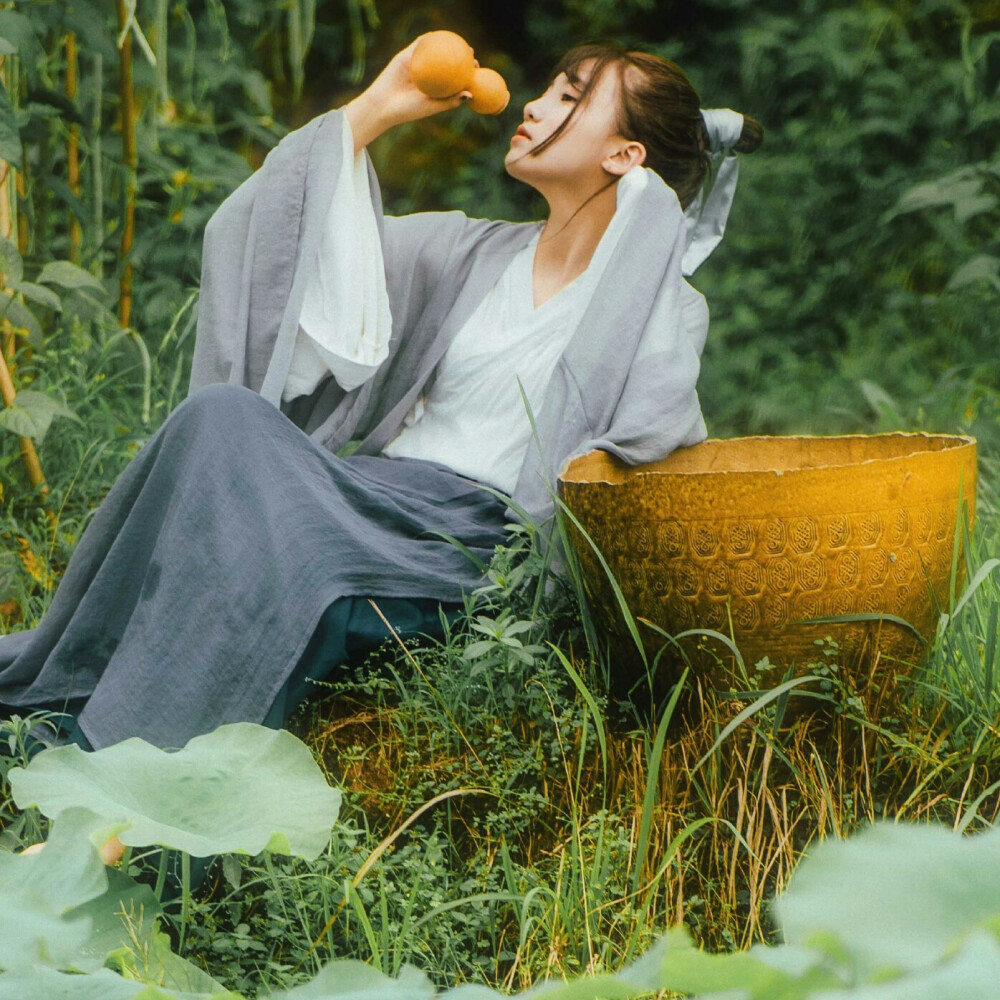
(658, 107)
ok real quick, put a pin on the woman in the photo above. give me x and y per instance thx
(233, 558)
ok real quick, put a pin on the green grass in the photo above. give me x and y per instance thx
(568, 829)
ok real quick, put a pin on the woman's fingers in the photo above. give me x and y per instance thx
(399, 98)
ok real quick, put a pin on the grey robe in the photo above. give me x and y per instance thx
(625, 384)
(197, 585)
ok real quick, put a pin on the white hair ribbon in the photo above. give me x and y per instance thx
(706, 217)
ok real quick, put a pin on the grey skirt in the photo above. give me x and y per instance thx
(194, 590)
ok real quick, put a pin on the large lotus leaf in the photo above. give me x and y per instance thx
(471, 991)
(349, 979)
(971, 974)
(762, 973)
(34, 932)
(47, 984)
(893, 897)
(39, 892)
(240, 789)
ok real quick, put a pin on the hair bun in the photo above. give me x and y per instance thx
(751, 137)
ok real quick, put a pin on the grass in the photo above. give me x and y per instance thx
(506, 819)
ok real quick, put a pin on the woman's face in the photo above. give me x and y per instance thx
(579, 155)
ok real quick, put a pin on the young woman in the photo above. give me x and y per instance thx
(235, 556)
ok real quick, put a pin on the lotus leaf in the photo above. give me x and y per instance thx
(762, 973)
(39, 892)
(894, 898)
(349, 979)
(973, 972)
(47, 984)
(242, 788)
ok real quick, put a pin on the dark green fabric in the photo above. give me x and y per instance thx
(350, 628)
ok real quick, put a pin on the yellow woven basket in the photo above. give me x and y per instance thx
(753, 536)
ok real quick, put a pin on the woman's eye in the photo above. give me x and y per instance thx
(571, 97)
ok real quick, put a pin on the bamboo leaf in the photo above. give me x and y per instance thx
(11, 265)
(477, 649)
(23, 320)
(68, 275)
(981, 268)
(31, 414)
(18, 30)
(37, 293)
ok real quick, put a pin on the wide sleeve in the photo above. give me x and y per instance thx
(257, 256)
(262, 252)
(221, 302)
(346, 322)
(659, 409)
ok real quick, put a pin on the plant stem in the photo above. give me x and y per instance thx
(73, 148)
(96, 166)
(129, 161)
(185, 896)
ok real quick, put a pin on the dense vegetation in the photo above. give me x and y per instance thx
(857, 289)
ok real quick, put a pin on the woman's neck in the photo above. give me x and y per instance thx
(572, 232)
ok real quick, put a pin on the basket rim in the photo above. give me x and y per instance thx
(961, 441)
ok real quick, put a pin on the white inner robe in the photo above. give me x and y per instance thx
(473, 419)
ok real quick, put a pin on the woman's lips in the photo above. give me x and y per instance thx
(521, 133)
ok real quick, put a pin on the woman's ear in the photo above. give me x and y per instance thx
(632, 154)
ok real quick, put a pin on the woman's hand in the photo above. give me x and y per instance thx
(392, 99)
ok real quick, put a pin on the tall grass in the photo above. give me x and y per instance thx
(593, 833)
(567, 827)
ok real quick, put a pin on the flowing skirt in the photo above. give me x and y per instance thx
(196, 588)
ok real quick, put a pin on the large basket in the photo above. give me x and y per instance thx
(752, 536)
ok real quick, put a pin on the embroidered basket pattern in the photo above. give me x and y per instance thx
(759, 574)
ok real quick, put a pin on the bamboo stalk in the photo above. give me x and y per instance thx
(73, 149)
(5, 227)
(129, 161)
(5, 221)
(28, 452)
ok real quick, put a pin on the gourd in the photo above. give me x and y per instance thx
(443, 63)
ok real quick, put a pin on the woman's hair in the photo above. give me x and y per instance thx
(657, 107)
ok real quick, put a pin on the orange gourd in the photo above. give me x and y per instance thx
(489, 92)
(443, 63)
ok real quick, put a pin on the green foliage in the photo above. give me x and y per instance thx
(31, 413)
(894, 912)
(856, 289)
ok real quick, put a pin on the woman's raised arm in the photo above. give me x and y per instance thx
(393, 99)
